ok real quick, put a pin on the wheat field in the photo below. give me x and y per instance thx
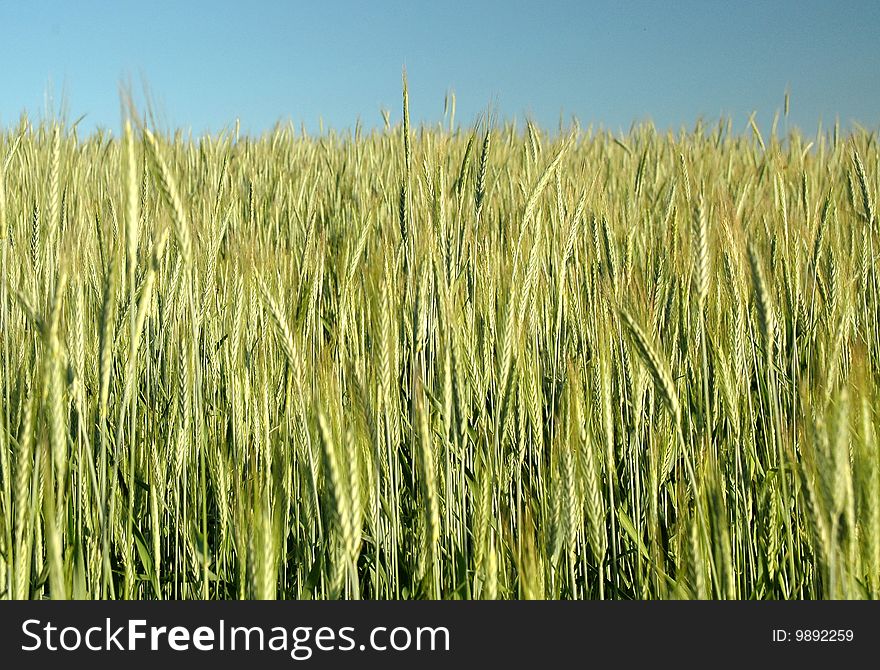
(439, 362)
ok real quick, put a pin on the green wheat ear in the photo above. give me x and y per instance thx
(657, 366)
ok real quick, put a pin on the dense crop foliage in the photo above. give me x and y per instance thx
(424, 363)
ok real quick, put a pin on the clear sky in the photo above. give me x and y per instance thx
(608, 63)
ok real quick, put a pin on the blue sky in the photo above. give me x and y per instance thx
(608, 63)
